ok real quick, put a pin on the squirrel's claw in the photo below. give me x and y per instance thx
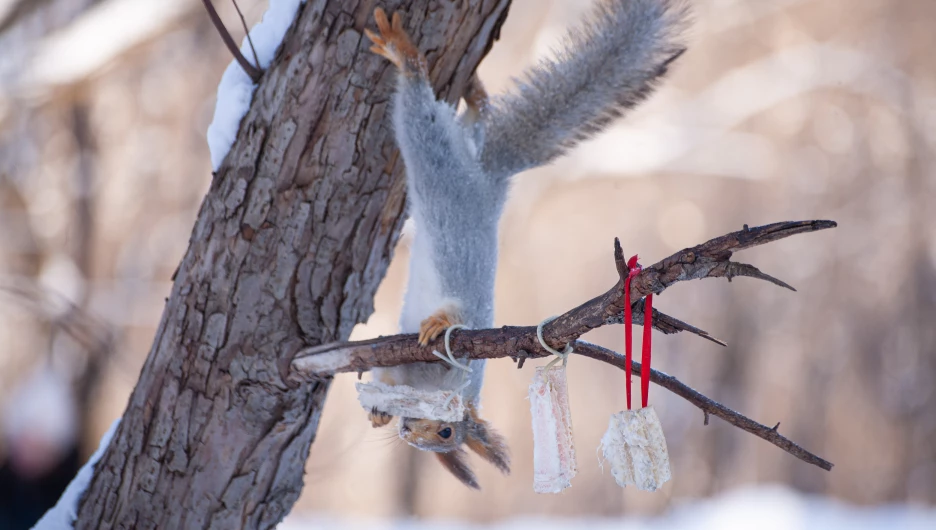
(397, 22)
(381, 47)
(437, 323)
(383, 43)
(379, 43)
(380, 16)
(395, 44)
(378, 419)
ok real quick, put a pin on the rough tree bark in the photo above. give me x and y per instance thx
(288, 249)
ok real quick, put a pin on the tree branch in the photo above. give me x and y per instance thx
(708, 260)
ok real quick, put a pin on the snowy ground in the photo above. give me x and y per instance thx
(765, 508)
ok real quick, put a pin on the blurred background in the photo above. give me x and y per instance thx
(780, 110)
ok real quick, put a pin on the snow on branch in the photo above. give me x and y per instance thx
(711, 259)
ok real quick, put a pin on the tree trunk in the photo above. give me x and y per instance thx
(289, 246)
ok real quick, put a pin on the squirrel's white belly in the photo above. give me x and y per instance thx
(424, 289)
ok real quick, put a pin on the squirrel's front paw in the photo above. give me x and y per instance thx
(394, 44)
(378, 419)
(437, 323)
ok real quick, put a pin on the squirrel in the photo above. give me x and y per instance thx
(458, 172)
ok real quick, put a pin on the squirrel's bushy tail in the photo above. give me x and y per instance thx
(604, 67)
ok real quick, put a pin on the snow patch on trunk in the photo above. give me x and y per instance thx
(62, 516)
(236, 89)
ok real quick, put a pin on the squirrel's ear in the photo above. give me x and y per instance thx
(456, 462)
(488, 444)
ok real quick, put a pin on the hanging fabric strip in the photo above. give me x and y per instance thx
(553, 448)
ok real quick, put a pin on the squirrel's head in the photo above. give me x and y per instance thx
(446, 438)
(432, 435)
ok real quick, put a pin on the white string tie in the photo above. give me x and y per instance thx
(457, 392)
(449, 357)
(560, 355)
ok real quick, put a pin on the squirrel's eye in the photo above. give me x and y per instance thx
(445, 433)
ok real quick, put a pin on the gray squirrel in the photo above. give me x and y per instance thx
(458, 172)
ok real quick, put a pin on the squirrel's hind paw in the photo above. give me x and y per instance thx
(395, 44)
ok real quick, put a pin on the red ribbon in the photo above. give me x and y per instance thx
(645, 353)
(633, 270)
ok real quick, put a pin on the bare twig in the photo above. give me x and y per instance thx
(661, 321)
(708, 260)
(90, 333)
(711, 259)
(247, 33)
(706, 404)
(253, 71)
